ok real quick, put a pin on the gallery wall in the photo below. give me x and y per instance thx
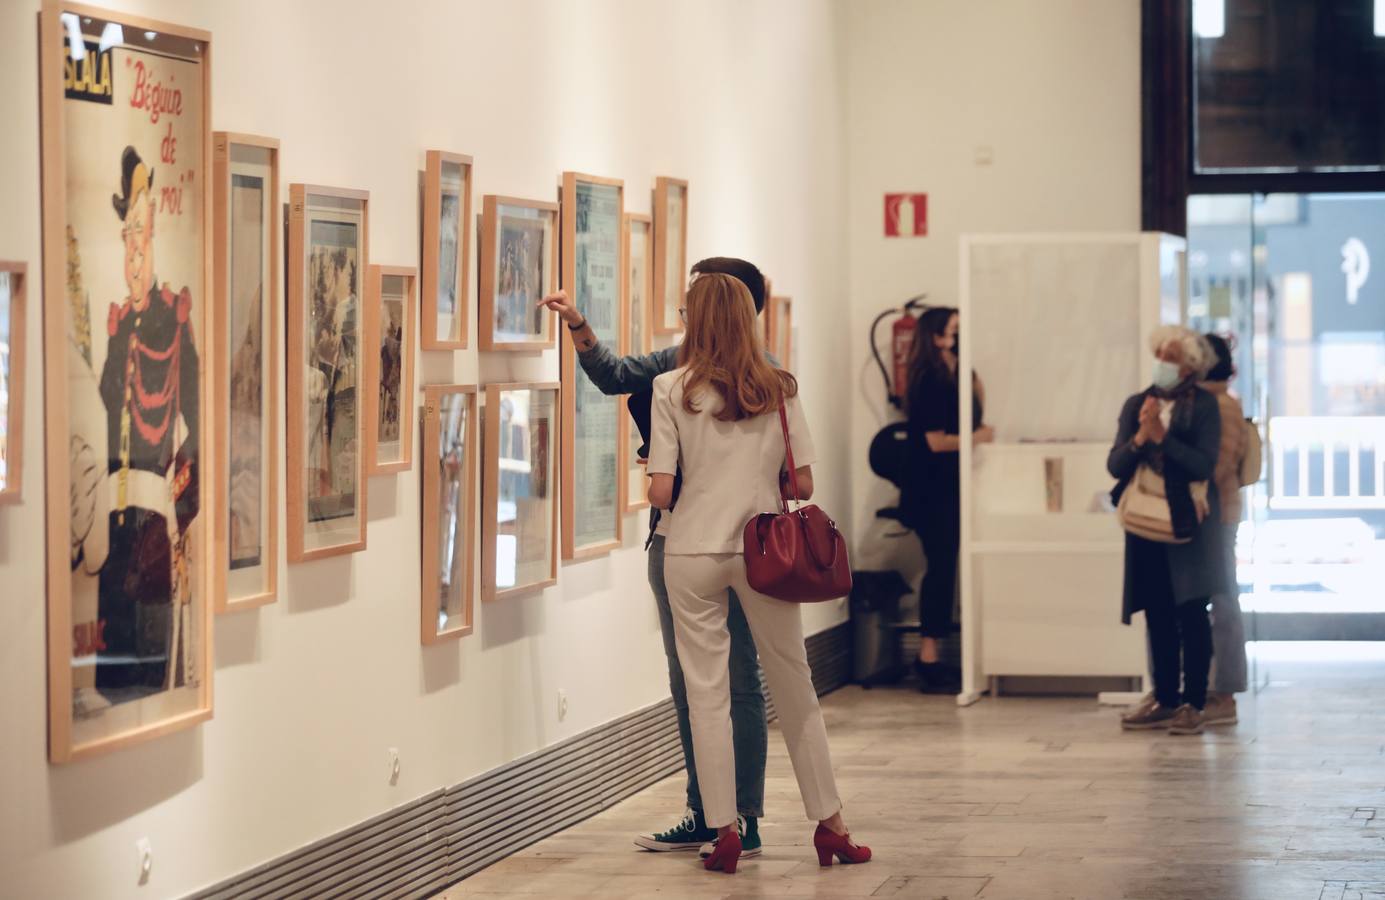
(744, 99)
(1048, 93)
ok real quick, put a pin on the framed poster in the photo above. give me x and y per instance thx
(519, 264)
(449, 511)
(446, 249)
(388, 405)
(636, 339)
(245, 327)
(670, 253)
(127, 156)
(12, 278)
(519, 512)
(327, 260)
(594, 475)
(779, 324)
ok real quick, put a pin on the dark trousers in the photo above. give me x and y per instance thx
(940, 530)
(135, 600)
(1180, 644)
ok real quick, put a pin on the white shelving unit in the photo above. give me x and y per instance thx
(1056, 326)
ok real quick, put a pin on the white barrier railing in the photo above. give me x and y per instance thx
(1316, 441)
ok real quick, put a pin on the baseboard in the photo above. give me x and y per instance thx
(419, 849)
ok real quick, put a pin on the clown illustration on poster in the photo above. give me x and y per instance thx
(598, 272)
(129, 157)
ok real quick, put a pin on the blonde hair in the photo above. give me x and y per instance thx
(1198, 354)
(723, 349)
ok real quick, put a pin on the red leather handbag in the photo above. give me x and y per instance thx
(798, 556)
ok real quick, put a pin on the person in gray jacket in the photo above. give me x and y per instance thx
(612, 374)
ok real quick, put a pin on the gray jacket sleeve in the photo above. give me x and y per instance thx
(626, 374)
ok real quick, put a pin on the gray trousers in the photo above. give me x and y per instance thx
(749, 733)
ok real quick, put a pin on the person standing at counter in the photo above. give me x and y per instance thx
(931, 498)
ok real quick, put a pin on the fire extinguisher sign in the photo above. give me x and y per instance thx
(906, 215)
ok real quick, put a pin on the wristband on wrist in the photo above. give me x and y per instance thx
(579, 326)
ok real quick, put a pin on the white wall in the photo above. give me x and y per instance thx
(1052, 88)
(742, 98)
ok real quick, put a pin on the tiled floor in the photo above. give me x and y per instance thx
(1039, 799)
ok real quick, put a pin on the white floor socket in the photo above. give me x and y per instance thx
(145, 852)
(394, 764)
(562, 704)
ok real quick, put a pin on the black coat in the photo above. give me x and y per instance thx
(1197, 569)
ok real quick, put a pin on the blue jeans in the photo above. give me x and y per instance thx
(749, 733)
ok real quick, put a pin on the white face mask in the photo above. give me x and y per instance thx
(1166, 375)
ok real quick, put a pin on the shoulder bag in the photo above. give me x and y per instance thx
(1144, 507)
(797, 555)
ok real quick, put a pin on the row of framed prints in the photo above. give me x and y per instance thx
(161, 309)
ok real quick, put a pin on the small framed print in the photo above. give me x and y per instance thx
(519, 265)
(127, 276)
(450, 448)
(327, 260)
(594, 476)
(519, 493)
(446, 250)
(670, 253)
(636, 339)
(388, 397)
(12, 283)
(245, 317)
(779, 322)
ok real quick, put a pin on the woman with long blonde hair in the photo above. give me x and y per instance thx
(716, 418)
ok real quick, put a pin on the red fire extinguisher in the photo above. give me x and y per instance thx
(901, 345)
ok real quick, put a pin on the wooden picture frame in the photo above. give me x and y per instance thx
(449, 526)
(390, 407)
(670, 253)
(636, 336)
(507, 291)
(14, 277)
(337, 256)
(496, 567)
(114, 680)
(446, 276)
(245, 170)
(779, 327)
(594, 278)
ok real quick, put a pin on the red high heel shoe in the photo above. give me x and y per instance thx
(725, 854)
(830, 844)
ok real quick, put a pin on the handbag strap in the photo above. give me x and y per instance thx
(788, 453)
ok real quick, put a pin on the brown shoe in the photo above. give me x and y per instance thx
(1221, 710)
(1188, 720)
(1147, 714)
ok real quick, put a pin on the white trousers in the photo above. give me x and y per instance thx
(697, 594)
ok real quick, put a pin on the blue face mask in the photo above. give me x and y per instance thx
(1166, 375)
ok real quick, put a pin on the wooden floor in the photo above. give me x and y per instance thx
(1034, 799)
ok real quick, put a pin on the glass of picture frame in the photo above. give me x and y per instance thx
(636, 340)
(594, 471)
(446, 249)
(519, 494)
(779, 318)
(449, 511)
(245, 317)
(670, 253)
(387, 403)
(328, 257)
(13, 276)
(129, 546)
(519, 265)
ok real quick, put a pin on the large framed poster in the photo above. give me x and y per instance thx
(593, 457)
(450, 448)
(670, 253)
(13, 276)
(519, 494)
(446, 250)
(127, 156)
(779, 325)
(636, 339)
(519, 265)
(327, 260)
(245, 327)
(387, 401)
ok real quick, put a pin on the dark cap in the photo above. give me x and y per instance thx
(135, 177)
